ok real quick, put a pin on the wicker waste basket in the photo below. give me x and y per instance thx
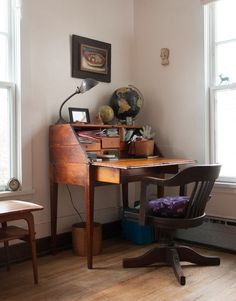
(79, 239)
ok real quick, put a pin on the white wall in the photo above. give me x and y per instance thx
(174, 94)
(46, 69)
(175, 104)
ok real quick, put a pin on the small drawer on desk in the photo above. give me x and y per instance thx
(94, 146)
(111, 142)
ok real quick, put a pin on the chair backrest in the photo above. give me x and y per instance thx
(202, 179)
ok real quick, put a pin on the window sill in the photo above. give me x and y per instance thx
(225, 188)
(225, 184)
(14, 194)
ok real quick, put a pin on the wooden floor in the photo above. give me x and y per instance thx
(66, 277)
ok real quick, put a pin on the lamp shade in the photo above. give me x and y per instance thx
(86, 84)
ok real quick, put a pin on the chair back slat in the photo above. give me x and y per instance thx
(192, 200)
(199, 199)
(201, 179)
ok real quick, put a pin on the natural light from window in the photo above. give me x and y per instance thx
(223, 86)
(6, 93)
(226, 126)
(4, 37)
(5, 137)
(226, 21)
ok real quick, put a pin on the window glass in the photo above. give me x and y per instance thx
(9, 45)
(4, 66)
(226, 62)
(222, 33)
(225, 131)
(225, 20)
(5, 134)
(4, 15)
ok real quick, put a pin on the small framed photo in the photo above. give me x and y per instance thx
(91, 59)
(79, 115)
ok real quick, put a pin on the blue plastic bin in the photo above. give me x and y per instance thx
(136, 233)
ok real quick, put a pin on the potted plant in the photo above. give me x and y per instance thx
(143, 145)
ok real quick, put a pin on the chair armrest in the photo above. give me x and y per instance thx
(154, 180)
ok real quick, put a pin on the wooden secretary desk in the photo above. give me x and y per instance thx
(70, 164)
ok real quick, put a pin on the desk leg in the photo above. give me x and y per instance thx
(125, 195)
(30, 221)
(53, 198)
(6, 247)
(89, 201)
(160, 189)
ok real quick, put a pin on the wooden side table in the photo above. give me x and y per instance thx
(13, 210)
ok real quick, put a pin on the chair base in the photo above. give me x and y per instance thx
(171, 255)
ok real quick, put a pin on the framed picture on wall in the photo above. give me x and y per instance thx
(91, 59)
(79, 115)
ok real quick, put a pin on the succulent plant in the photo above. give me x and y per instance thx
(147, 133)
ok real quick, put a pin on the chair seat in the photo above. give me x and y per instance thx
(166, 222)
(169, 206)
(175, 223)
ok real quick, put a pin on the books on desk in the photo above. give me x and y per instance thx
(101, 157)
(94, 134)
(107, 157)
(98, 134)
(87, 140)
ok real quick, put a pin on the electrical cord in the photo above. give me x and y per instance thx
(73, 205)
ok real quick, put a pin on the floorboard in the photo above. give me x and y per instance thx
(65, 277)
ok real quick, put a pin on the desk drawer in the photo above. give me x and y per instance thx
(111, 142)
(94, 146)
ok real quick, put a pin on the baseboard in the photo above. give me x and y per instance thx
(20, 252)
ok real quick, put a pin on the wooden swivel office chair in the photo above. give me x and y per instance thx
(199, 180)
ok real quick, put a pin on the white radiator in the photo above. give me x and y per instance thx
(214, 231)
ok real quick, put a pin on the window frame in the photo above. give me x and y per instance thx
(11, 84)
(210, 53)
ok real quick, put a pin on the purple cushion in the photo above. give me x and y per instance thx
(169, 206)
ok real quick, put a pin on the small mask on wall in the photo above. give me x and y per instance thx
(165, 52)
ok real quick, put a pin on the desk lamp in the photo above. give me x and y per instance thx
(86, 85)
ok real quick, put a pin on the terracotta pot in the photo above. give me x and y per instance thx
(142, 148)
(79, 239)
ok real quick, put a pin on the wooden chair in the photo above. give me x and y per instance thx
(15, 210)
(199, 180)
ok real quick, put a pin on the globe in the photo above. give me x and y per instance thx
(106, 113)
(126, 102)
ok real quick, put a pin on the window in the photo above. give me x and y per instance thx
(221, 31)
(9, 21)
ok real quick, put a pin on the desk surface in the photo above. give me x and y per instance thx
(139, 163)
